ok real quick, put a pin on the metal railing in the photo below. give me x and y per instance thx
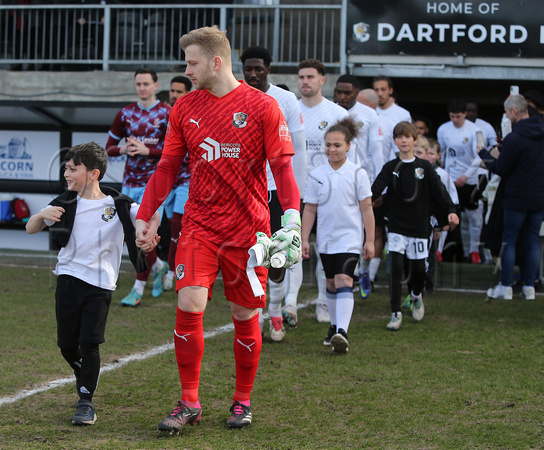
(113, 35)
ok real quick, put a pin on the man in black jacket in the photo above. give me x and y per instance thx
(521, 164)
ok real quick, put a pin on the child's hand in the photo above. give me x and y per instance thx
(453, 221)
(145, 239)
(147, 245)
(305, 249)
(368, 250)
(53, 213)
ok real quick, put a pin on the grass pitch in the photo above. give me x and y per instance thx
(470, 375)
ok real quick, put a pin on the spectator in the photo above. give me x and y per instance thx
(520, 164)
(536, 103)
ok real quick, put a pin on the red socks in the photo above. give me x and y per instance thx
(247, 350)
(189, 345)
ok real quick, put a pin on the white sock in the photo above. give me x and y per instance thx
(157, 265)
(331, 304)
(261, 318)
(293, 281)
(139, 286)
(170, 274)
(374, 265)
(276, 296)
(321, 282)
(344, 307)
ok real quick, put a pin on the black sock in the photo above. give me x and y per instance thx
(73, 357)
(395, 279)
(90, 370)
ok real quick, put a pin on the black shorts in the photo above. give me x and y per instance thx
(339, 263)
(82, 312)
(469, 196)
(276, 211)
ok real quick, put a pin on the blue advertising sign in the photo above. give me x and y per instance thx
(29, 155)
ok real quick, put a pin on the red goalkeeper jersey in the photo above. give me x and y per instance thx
(228, 141)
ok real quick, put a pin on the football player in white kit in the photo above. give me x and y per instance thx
(281, 282)
(458, 141)
(387, 107)
(369, 269)
(318, 114)
(369, 150)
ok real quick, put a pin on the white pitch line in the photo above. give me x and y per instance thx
(120, 363)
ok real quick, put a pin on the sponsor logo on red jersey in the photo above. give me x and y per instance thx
(284, 132)
(215, 150)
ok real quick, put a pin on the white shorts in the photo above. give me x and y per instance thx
(413, 248)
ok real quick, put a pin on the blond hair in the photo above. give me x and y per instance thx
(211, 40)
(422, 142)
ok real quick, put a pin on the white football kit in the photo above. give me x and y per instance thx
(316, 122)
(369, 142)
(459, 153)
(396, 113)
(290, 108)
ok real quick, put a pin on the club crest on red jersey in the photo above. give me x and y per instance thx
(109, 214)
(180, 271)
(240, 119)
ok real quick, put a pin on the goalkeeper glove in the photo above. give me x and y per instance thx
(259, 253)
(286, 249)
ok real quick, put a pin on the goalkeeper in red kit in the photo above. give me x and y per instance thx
(227, 130)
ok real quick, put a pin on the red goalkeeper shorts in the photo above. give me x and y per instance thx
(198, 262)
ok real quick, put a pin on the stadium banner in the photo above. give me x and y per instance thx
(29, 155)
(504, 28)
(116, 165)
